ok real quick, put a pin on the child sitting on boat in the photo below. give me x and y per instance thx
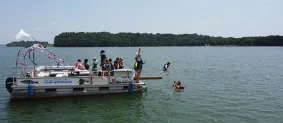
(86, 64)
(107, 65)
(116, 63)
(79, 65)
(121, 64)
(111, 64)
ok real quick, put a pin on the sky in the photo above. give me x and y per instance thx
(44, 19)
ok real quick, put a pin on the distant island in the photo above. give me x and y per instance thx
(27, 43)
(106, 39)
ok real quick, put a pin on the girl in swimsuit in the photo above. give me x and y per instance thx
(138, 65)
(79, 65)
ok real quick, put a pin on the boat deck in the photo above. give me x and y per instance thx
(67, 71)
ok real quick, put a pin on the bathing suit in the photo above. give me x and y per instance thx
(86, 66)
(138, 64)
(165, 67)
(77, 65)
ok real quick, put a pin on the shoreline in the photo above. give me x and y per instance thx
(155, 46)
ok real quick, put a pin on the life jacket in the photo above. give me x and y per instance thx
(116, 64)
(138, 64)
(166, 66)
(108, 66)
(121, 64)
(94, 65)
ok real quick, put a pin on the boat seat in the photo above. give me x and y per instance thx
(41, 74)
(61, 75)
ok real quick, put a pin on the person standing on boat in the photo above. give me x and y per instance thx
(94, 65)
(138, 65)
(103, 57)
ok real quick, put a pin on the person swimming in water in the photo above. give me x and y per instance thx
(177, 84)
(165, 68)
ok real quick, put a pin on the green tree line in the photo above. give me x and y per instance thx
(106, 39)
(26, 43)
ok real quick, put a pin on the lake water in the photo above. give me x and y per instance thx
(222, 85)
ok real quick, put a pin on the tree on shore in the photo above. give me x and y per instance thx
(106, 39)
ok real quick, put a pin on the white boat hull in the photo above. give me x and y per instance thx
(72, 90)
(60, 82)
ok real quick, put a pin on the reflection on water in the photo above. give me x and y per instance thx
(98, 107)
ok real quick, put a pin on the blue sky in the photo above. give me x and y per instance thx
(44, 19)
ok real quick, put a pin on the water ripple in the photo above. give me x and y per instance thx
(222, 84)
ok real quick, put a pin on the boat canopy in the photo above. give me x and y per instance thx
(30, 51)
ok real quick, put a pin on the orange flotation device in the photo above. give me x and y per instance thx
(180, 87)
